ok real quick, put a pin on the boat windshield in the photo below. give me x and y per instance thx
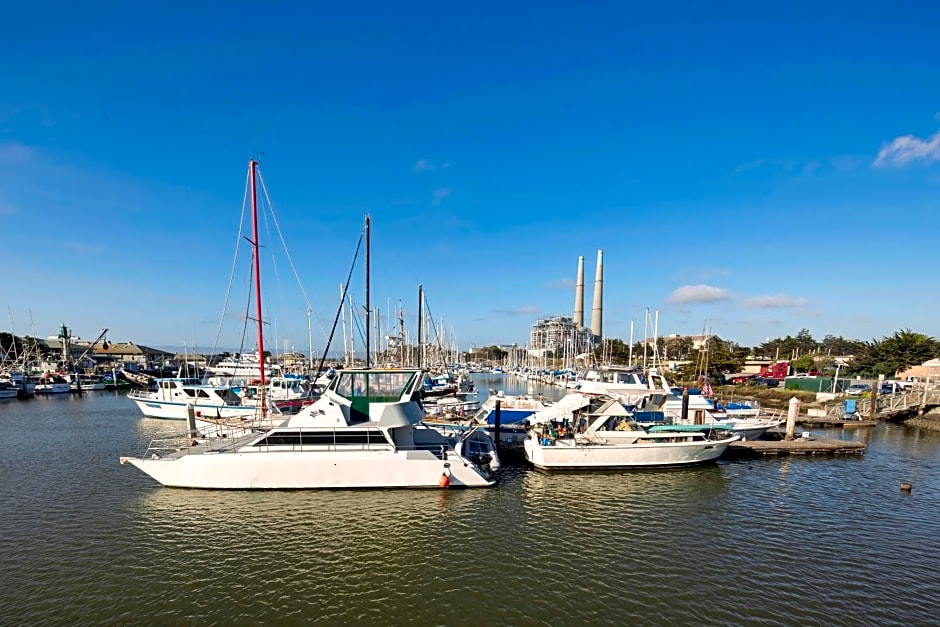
(374, 386)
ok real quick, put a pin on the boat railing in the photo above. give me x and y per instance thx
(200, 442)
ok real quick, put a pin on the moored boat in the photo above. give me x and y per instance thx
(606, 437)
(365, 431)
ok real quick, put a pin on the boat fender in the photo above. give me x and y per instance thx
(444, 481)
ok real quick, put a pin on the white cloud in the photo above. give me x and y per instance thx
(525, 310)
(438, 195)
(12, 153)
(424, 165)
(698, 294)
(774, 301)
(906, 148)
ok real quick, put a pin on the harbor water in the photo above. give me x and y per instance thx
(789, 540)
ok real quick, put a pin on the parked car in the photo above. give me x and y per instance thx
(858, 388)
(763, 382)
(890, 388)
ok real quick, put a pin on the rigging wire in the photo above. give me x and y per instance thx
(231, 280)
(342, 300)
(290, 260)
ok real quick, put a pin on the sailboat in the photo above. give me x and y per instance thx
(365, 431)
(185, 398)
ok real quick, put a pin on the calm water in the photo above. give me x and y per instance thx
(787, 541)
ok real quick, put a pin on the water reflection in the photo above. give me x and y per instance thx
(788, 540)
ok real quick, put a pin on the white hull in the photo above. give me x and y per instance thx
(90, 387)
(290, 470)
(167, 410)
(568, 454)
(52, 388)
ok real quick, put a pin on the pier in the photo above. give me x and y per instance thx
(887, 407)
(773, 443)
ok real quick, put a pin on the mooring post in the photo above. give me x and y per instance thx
(873, 408)
(685, 406)
(190, 419)
(496, 424)
(792, 410)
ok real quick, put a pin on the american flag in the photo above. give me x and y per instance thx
(707, 389)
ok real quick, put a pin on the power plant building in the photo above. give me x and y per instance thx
(559, 332)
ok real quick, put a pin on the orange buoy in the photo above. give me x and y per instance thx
(444, 481)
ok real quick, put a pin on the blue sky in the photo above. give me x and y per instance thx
(761, 168)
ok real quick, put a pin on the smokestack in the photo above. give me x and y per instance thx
(579, 295)
(597, 312)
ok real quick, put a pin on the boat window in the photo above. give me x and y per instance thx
(323, 438)
(375, 386)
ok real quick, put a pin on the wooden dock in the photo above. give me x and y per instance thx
(773, 444)
(827, 422)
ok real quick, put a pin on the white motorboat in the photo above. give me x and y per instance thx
(172, 397)
(243, 365)
(742, 420)
(86, 383)
(364, 432)
(606, 436)
(52, 383)
(630, 385)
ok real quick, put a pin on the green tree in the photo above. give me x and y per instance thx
(898, 352)
(716, 358)
(803, 363)
(838, 345)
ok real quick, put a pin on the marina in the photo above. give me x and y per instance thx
(87, 541)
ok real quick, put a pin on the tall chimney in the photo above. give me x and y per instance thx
(597, 312)
(579, 295)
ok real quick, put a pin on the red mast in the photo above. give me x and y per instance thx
(252, 165)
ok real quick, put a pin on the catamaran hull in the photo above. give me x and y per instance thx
(564, 454)
(291, 470)
(166, 410)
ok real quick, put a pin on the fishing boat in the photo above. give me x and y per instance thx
(605, 436)
(52, 383)
(86, 383)
(365, 431)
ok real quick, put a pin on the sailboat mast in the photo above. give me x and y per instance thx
(253, 166)
(420, 323)
(368, 305)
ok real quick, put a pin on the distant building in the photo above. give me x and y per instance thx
(132, 355)
(559, 332)
(928, 370)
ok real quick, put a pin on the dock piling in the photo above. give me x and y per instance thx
(497, 424)
(792, 411)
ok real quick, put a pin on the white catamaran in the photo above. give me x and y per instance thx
(364, 432)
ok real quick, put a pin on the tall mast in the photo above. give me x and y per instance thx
(420, 322)
(368, 306)
(253, 166)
